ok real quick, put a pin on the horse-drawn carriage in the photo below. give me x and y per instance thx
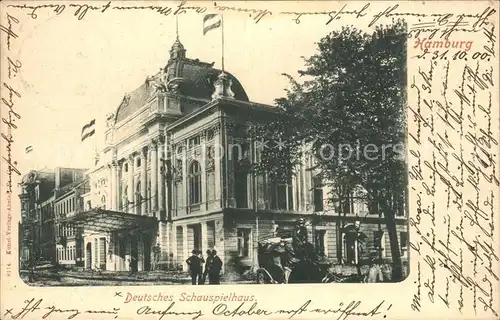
(280, 263)
(295, 260)
(273, 260)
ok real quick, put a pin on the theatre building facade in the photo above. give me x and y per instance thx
(174, 176)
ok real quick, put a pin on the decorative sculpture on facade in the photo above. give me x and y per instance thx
(223, 86)
(210, 157)
(178, 169)
(126, 100)
(110, 120)
(158, 83)
(174, 85)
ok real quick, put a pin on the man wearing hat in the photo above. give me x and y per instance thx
(194, 262)
(215, 269)
(299, 237)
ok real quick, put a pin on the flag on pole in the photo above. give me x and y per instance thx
(29, 149)
(210, 22)
(88, 130)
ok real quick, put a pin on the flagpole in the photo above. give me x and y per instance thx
(177, 26)
(222, 31)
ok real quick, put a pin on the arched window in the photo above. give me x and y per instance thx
(194, 183)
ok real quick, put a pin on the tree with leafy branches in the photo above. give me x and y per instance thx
(352, 98)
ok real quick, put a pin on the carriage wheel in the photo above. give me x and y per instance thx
(261, 277)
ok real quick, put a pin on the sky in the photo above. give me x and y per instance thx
(74, 70)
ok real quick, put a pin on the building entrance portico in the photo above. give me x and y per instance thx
(116, 241)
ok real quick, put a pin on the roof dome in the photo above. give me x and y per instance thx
(192, 79)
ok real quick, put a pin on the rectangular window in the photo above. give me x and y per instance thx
(195, 141)
(318, 194)
(400, 205)
(243, 236)
(318, 199)
(282, 196)
(378, 243)
(320, 236)
(346, 204)
(403, 240)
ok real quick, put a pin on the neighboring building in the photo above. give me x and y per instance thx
(69, 238)
(40, 191)
(171, 177)
(36, 189)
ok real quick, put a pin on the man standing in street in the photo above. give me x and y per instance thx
(202, 261)
(194, 264)
(214, 271)
(208, 265)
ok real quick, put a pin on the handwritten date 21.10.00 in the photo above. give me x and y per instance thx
(453, 55)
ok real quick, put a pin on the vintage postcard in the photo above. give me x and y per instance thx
(249, 159)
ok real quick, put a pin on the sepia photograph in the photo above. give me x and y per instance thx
(189, 178)
(257, 159)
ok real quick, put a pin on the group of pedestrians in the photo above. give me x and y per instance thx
(213, 266)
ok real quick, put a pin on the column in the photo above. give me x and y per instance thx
(185, 186)
(202, 159)
(218, 162)
(118, 192)
(306, 186)
(154, 175)
(172, 244)
(144, 184)
(140, 253)
(124, 197)
(114, 185)
(110, 252)
(231, 157)
(161, 177)
(185, 248)
(118, 258)
(168, 245)
(163, 240)
(130, 187)
(294, 195)
(204, 240)
(168, 183)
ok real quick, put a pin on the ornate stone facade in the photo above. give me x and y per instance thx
(176, 153)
